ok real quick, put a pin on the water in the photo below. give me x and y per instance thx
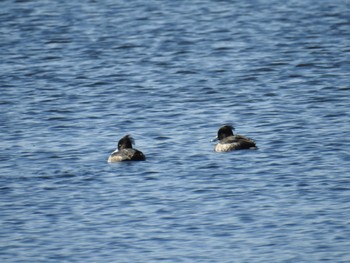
(76, 76)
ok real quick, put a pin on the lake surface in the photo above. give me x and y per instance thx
(76, 76)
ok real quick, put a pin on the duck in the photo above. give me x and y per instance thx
(125, 152)
(230, 142)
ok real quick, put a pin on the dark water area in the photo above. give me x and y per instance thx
(76, 76)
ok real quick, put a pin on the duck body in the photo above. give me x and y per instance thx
(230, 142)
(126, 155)
(125, 152)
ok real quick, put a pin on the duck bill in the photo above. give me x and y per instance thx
(214, 139)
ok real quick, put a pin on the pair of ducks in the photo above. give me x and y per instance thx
(227, 142)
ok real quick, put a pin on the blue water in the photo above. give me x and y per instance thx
(76, 76)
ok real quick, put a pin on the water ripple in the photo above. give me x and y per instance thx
(77, 76)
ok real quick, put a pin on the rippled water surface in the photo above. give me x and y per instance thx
(76, 76)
